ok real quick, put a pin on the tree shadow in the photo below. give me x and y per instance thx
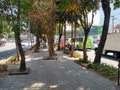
(61, 74)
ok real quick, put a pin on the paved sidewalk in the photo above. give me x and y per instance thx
(61, 74)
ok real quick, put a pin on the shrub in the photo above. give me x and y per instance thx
(77, 55)
(82, 61)
(67, 52)
(13, 59)
(89, 65)
(109, 70)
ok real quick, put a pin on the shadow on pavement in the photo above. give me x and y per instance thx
(61, 74)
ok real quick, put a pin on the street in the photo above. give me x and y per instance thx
(10, 49)
(7, 50)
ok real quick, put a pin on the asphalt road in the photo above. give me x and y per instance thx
(10, 49)
(7, 50)
(105, 59)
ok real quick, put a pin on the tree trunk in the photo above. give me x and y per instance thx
(60, 35)
(85, 57)
(75, 35)
(50, 49)
(20, 51)
(64, 35)
(106, 9)
(17, 51)
(44, 41)
(72, 45)
(50, 37)
(37, 45)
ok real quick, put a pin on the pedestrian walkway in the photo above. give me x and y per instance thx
(61, 74)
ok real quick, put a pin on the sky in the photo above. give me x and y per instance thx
(99, 17)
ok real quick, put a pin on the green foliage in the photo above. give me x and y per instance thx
(26, 6)
(116, 3)
(89, 5)
(1, 28)
(62, 5)
(110, 70)
(83, 61)
(3, 7)
(13, 59)
(67, 52)
(4, 27)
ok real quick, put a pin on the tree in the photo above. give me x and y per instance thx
(21, 11)
(46, 12)
(116, 3)
(86, 7)
(37, 30)
(61, 18)
(72, 12)
(106, 9)
(18, 40)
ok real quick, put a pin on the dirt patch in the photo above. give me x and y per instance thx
(4, 74)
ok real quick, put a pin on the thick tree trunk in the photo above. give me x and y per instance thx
(50, 37)
(106, 9)
(20, 51)
(85, 57)
(50, 49)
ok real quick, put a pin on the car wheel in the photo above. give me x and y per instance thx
(115, 55)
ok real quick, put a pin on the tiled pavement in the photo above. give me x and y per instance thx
(61, 74)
